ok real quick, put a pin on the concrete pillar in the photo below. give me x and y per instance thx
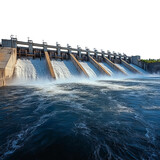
(98, 66)
(69, 49)
(45, 46)
(103, 54)
(78, 65)
(30, 44)
(50, 67)
(109, 55)
(58, 49)
(127, 65)
(95, 53)
(120, 55)
(79, 52)
(88, 53)
(13, 42)
(115, 55)
(125, 56)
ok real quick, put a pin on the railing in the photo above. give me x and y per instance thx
(30, 44)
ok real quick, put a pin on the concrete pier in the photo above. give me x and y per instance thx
(78, 65)
(111, 64)
(50, 65)
(127, 65)
(98, 66)
(8, 58)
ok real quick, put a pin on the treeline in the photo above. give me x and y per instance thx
(150, 60)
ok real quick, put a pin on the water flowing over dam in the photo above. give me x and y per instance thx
(29, 69)
(64, 69)
(90, 69)
(36, 69)
(66, 103)
(63, 62)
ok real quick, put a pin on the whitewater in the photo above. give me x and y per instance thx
(75, 117)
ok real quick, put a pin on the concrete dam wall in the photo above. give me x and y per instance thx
(8, 57)
(56, 62)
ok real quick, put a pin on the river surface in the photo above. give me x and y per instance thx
(81, 120)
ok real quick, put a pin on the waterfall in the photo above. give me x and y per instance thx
(108, 68)
(30, 69)
(90, 69)
(64, 69)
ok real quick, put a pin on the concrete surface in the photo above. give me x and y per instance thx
(98, 66)
(8, 58)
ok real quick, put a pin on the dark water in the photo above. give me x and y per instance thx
(90, 120)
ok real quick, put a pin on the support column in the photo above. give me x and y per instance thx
(69, 49)
(50, 67)
(120, 55)
(58, 49)
(98, 66)
(125, 56)
(88, 53)
(127, 65)
(78, 65)
(45, 46)
(115, 55)
(95, 53)
(30, 44)
(79, 52)
(109, 55)
(13, 42)
(103, 53)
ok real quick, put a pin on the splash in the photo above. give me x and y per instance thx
(35, 72)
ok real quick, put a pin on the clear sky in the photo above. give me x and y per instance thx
(125, 26)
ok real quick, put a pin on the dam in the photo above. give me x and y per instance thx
(28, 60)
(76, 104)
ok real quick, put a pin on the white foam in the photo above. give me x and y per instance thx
(64, 69)
(123, 68)
(29, 71)
(90, 69)
(24, 69)
(34, 72)
(139, 69)
(151, 107)
(108, 68)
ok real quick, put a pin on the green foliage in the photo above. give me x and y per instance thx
(150, 60)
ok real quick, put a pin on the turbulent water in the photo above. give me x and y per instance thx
(79, 119)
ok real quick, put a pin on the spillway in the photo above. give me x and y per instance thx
(90, 69)
(31, 69)
(123, 68)
(139, 69)
(108, 68)
(64, 69)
